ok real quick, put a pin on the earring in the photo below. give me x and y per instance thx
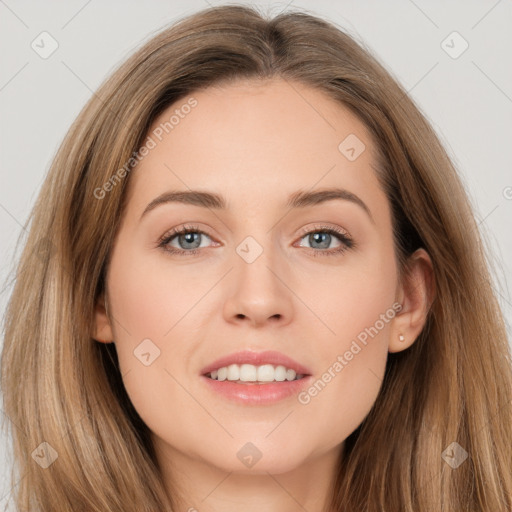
(401, 337)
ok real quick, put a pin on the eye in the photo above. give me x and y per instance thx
(189, 240)
(187, 237)
(322, 237)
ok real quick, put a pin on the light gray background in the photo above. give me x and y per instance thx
(467, 99)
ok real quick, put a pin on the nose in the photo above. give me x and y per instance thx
(259, 293)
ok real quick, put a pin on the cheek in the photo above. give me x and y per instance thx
(351, 298)
(345, 392)
(357, 313)
(152, 314)
(150, 297)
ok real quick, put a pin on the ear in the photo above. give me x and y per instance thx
(102, 326)
(415, 292)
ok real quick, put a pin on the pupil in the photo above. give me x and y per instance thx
(189, 239)
(317, 236)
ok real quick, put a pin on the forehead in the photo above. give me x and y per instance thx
(255, 140)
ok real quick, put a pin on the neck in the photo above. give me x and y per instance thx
(199, 486)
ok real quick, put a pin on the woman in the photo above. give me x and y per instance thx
(255, 368)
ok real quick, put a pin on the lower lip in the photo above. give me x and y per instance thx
(257, 394)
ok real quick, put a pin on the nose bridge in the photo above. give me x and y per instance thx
(259, 292)
(256, 263)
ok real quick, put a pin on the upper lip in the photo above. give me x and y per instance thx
(257, 359)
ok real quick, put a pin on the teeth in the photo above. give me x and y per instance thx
(233, 372)
(266, 373)
(251, 373)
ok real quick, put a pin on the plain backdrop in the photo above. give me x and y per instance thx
(462, 83)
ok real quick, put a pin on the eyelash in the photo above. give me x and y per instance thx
(347, 242)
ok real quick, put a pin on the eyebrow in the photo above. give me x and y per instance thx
(299, 199)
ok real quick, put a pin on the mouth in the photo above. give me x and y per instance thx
(248, 366)
(256, 378)
(252, 374)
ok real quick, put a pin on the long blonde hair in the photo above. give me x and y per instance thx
(61, 387)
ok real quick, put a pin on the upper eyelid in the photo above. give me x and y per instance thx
(304, 231)
(321, 227)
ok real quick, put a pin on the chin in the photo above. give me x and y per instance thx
(250, 460)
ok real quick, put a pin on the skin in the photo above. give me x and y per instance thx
(256, 143)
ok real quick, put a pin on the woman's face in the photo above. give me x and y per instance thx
(257, 274)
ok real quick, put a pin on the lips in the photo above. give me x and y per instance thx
(257, 359)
